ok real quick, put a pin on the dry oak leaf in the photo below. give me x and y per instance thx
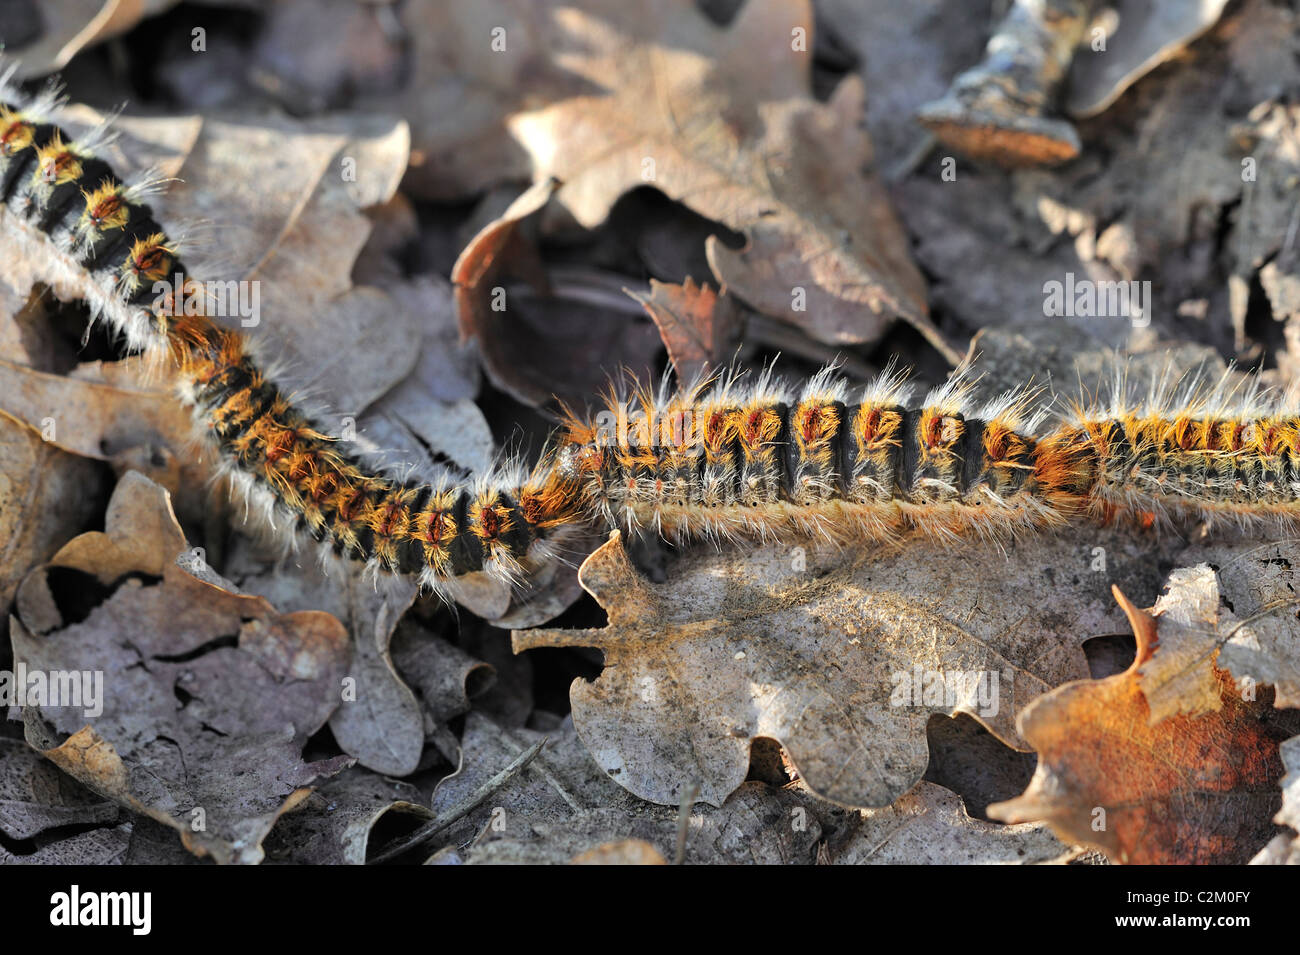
(723, 120)
(537, 340)
(930, 826)
(1188, 789)
(35, 796)
(563, 803)
(1285, 848)
(207, 697)
(46, 497)
(333, 826)
(699, 326)
(841, 661)
(44, 35)
(1260, 634)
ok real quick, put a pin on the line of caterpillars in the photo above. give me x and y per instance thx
(718, 459)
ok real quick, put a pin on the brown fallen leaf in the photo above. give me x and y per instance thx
(378, 720)
(46, 497)
(930, 826)
(1187, 789)
(108, 412)
(96, 847)
(1285, 848)
(721, 119)
(57, 30)
(333, 826)
(840, 658)
(699, 326)
(35, 796)
(538, 343)
(205, 698)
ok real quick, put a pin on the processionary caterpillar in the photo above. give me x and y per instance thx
(720, 458)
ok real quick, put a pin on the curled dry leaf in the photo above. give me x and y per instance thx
(699, 326)
(721, 119)
(50, 33)
(333, 825)
(1186, 789)
(840, 658)
(930, 826)
(542, 343)
(204, 698)
(445, 676)
(1149, 33)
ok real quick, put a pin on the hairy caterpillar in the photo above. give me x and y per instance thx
(719, 458)
(769, 459)
(93, 229)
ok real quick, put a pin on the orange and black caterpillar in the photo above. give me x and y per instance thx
(726, 459)
(718, 459)
(61, 203)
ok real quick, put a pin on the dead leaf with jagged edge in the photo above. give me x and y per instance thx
(1187, 788)
(207, 697)
(537, 341)
(334, 824)
(721, 119)
(563, 805)
(699, 326)
(1258, 612)
(930, 826)
(840, 657)
(47, 496)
